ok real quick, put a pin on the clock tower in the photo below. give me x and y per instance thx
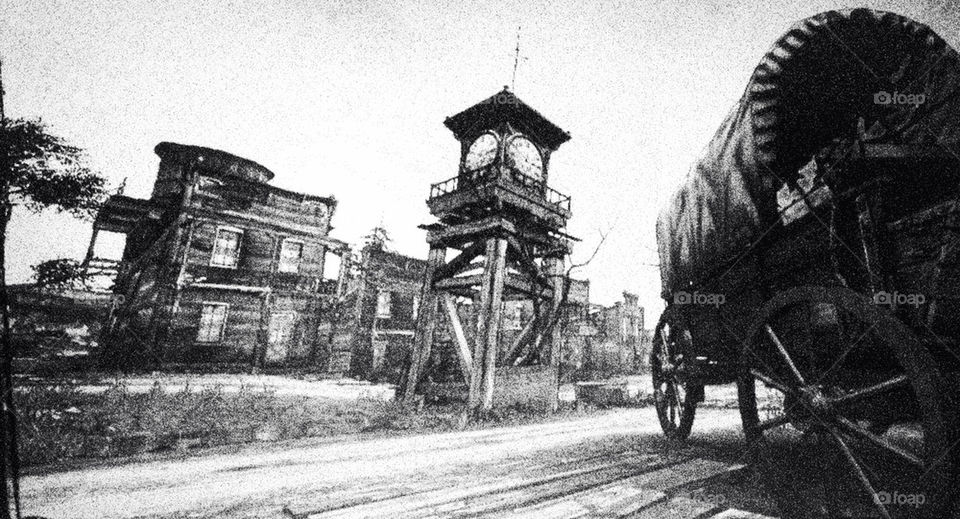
(505, 226)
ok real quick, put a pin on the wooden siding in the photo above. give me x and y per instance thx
(257, 265)
(240, 336)
(232, 196)
(379, 352)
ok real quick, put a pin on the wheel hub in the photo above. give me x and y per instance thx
(814, 399)
(808, 407)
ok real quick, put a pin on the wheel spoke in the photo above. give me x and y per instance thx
(879, 441)
(865, 393)
(769, 381)
(774, 422)
(673, 410)
(858, 471)
(784, 355)
(664, 343)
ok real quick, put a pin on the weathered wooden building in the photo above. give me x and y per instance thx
(603, 341)
(385, 302)
(220, 268)
(619, 350)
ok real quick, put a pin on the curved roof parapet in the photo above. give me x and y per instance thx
(215, 160)
(806, 97)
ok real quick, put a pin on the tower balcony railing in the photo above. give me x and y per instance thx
(512, 179)
(557, 198)
(444, 188)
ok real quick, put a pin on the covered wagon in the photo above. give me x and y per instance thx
(812, 254)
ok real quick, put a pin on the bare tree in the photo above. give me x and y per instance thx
(37, 171)
(555, 317)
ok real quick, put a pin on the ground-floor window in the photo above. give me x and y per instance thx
(213, 320)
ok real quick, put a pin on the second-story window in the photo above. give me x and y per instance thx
(291, 252)
(226, 248)
(384, 304)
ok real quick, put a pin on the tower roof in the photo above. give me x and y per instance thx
(504, 106)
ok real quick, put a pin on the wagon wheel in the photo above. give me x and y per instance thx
(856, 381)
(674, 396)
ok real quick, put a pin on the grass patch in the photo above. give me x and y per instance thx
(59, 423)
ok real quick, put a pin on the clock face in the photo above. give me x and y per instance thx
(481, 153)
(525, 157)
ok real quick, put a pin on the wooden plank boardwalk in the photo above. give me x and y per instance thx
(638, 488)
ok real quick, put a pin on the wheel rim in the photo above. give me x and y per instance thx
(672, 396)
(875, 374)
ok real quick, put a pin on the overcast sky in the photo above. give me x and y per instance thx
(348, 99)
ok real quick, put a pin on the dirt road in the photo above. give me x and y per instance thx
(611, 464)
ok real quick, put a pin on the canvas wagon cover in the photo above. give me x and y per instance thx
(807, 93)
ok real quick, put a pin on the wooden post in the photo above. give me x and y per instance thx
(488, 327)
(167, 289)
(426, 322)
(263, 333)
(343, 273)
(554, 268)
(90, 249)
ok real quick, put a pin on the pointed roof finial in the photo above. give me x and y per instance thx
(516, 60)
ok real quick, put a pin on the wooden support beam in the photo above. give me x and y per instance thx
(913, 151)
(426, 323)
(554, 268)
(488, 327)
(459, 282)
(525, 261)
(486, 226)
(532, 289)
(513, 282)
(463, 348)
(469, 293)
(461, 262)
(523, 338)
(540, 337)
